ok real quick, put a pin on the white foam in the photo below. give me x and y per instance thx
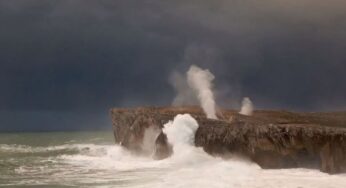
(201, 81)
(16, 148)
(247, 107)
(107, 166)
(189, 166)
(181, 131)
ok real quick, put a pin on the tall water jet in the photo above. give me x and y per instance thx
(201, 82)
(181, 131)
(247, 107)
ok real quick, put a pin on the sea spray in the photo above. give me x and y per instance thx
(201, 82)
(181, 131)
(103, 164)
(193, 167)
(150, 135)
(247, 107)
(193, 88)
(181, 135)
(184, 94)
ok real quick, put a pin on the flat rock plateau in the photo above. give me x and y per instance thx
(272, 139)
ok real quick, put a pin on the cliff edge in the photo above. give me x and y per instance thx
(272, 139)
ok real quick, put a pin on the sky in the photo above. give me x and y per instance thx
(65, 63)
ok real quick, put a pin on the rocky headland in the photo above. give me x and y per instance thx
(272, 139)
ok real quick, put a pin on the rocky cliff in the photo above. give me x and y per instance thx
(273, 139)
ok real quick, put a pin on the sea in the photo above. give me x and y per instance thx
(92, 159)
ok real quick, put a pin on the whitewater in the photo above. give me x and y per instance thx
(91, 159)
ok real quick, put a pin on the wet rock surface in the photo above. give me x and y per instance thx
(273, 139)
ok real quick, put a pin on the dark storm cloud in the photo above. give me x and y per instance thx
(87, 56)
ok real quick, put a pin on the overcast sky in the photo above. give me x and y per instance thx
(63, 63)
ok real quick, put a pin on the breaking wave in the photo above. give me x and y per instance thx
(109, 165)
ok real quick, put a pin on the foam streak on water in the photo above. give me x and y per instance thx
(94, 161)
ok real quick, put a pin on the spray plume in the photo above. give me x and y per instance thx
(185, 95)
(247, 107)
(181, 131)
(201, 82)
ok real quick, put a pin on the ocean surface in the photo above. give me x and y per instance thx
(91, 159)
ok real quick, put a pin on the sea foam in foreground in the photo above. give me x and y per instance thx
(61, 160)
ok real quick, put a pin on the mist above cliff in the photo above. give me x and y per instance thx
(201, 82)
(196, 84)
(247, 107)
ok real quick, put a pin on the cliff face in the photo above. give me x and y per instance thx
(273, 139)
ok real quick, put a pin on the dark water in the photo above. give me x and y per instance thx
(47, 159)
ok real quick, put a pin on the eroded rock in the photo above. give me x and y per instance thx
(273, 139)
